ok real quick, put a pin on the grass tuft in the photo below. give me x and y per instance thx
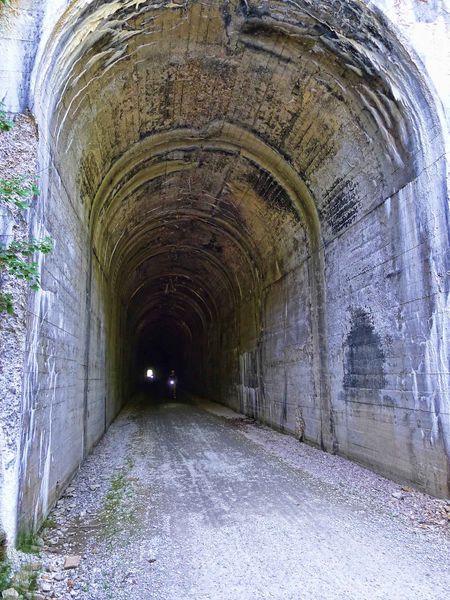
(29, 543)
(5, 574)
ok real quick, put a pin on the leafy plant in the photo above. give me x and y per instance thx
(5, 574)
(5, 123)
(6, 303)
(17, 190)
(12, 259)
(15, 257)
(25, 580)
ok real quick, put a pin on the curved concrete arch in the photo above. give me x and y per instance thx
(176, 315)
(175, 312)
(233, 287)
(206, 308)
(223, 136)
(177, 323)
(296, 22)
(252, 268)
(219, 224)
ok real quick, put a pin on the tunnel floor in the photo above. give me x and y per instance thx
(177, 503)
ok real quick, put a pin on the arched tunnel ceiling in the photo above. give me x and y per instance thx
(214, 140)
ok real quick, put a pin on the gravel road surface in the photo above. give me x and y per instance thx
(179, 503)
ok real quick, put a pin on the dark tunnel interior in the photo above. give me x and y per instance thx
(162, 348)
(203, 243)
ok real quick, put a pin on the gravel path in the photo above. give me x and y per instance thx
(184, 502)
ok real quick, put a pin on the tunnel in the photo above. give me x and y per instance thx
(251, 193)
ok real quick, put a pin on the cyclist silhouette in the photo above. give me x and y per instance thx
(172, 383)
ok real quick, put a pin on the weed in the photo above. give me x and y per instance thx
(49, 523)
(17, 191)
(6, 303)
(5, 575)
(25, 580)
(115, 494)
(116, 511)
(5, 123)
(29, 543)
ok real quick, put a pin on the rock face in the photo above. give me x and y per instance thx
(256, 190)
(18, 158)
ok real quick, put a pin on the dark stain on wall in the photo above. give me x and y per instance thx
(364, 356)
(271, 191)
(342, 208)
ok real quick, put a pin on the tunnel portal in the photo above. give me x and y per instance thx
(245, 188)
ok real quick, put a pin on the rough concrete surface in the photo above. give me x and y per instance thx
(175, 503)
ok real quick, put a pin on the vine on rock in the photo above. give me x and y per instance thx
(17, 191)
(16, 256)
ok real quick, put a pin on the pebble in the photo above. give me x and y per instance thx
(397, 495)
(10, 594)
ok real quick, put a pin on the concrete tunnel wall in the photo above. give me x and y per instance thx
(264, 182)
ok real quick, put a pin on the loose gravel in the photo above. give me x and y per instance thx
(184, 502)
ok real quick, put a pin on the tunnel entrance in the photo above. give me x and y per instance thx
(211, 246)
(229, 185)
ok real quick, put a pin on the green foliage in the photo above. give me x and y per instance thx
(25, 580)
(5, 123)
(115, 494)
(13, 259)
(49, 523)
(6, 303)
(118, 507)
(28, 543)
(17, 191)
(5, 574)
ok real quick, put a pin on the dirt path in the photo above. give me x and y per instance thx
(177, 503)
